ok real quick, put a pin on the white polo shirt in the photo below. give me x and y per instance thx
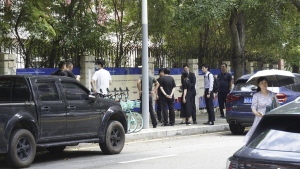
(102, 77)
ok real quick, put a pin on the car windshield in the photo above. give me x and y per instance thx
(242, 86)
(277, 140)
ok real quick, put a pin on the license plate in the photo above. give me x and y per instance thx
(247, 99)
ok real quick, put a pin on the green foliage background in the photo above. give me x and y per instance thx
(52, 30)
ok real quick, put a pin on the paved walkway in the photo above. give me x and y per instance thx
(180, 129)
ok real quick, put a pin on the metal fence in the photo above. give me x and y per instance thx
(132, 58)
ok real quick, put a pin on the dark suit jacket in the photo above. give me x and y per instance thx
(192, 79)
(70, 74)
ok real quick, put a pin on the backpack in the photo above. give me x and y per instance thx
(216, 84)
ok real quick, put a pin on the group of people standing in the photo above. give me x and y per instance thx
(165, 88)
(224, 85)
(65, 69)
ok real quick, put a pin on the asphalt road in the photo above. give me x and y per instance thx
(204, 151)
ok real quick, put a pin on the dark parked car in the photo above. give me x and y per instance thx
(275, 144)
(238, 103)
(54, 112)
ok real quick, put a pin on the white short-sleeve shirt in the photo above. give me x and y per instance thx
(102, 77)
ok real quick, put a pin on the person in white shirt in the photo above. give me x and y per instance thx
(208, 94)
(102, 77)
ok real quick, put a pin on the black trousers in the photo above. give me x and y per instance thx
(168, 103)
(222, 100)
(210, 105)
(159, 108)
(151, 110)
(193, 108)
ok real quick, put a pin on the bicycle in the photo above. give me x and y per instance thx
(135, 120)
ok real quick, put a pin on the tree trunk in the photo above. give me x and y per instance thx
(297, 4)
(203, 44)
(237, 29)
(53, 53)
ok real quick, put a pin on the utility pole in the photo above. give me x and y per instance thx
(145, 79)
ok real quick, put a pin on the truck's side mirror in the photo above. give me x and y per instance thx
(92, 97)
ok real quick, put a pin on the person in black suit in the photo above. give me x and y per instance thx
(61, 70)
(225, 85)
(159, 95)
(192, 79)
(69, 68)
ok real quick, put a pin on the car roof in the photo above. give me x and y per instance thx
(247, 76)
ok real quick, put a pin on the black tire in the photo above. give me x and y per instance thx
(56, 149)
(114, 138)
(236, 129)
(21, 149)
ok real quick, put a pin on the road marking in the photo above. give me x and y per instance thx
(145, 159)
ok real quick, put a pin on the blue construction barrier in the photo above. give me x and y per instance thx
(202, 104)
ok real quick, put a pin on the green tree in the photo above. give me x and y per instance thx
(27, 21)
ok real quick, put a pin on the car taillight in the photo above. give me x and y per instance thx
(231, 98)
(281, 97)
(231, 164)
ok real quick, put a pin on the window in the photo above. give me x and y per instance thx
(74, 92)
(47, 91)
(241, 85)
(14, 89)
(20, 90)
(5, 89)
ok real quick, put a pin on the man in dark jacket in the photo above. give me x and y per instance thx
(61, 70)
(151, 91)
(167, 88)
(225, 84)
(192, 79)
(159, 95)
(69, 71)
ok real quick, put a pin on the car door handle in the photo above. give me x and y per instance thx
(45, 108)
(71, 107)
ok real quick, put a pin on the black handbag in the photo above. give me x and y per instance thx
(273, 105)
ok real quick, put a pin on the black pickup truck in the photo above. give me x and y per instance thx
(54, 112)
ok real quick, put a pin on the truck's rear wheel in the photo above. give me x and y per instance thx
(114, 138)
(21, 149)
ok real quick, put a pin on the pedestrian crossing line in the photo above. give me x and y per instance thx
(145, 159)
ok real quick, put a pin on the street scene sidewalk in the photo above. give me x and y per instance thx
(180, 129)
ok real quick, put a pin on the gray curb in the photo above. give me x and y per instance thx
(170, 131)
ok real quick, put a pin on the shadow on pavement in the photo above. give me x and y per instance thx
(45, 156)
